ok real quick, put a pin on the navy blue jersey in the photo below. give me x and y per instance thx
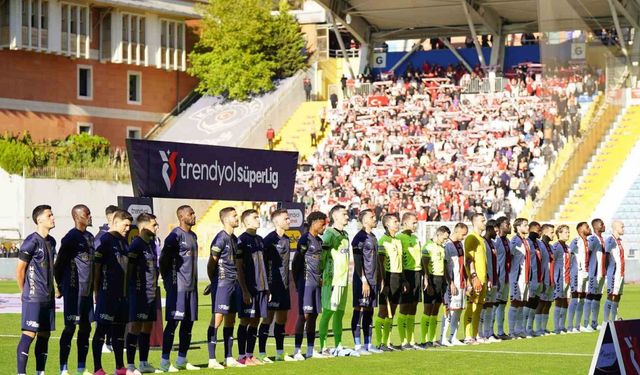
(143, 262)
(74, 264)
(38, 253)
(104, 229)
(251, 251)
(311, 248)
(365, 245)
(181, 253)
(225, 247)
(277, 253)
(112, 255)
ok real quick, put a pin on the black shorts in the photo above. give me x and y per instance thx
(256, 309)
(38, 316)
(392, 289)
(438, 285)
(77, 309)
(181, 305)
(358, 299)
(414, 279)
(142, 310)
(280, 299)
(111, 309)
(226, 297)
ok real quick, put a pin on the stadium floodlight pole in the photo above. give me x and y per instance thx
(456, 54)
(474, 35)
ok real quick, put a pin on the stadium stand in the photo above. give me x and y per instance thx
(602, 168)
(463, 152)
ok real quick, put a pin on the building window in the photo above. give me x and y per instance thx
(105, 35)
(4, 23)
(172, 41)
(85, 82)
(134, 43)
(134, 132)
(35, 23)
(134, 88)
(85, 128)
(74, 27)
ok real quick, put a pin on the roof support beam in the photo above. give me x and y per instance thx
(407, 55)
(616, 22)
(487, 16)
(630, 13)
(457, 55)
(474, 35)
(358, 26)
(342, 47)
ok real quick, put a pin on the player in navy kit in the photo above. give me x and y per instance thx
(277, 247)
(34, 274)
(179, 269)
(226, 295)
(74, 276)
(104, 229)
(308, 276)
(253, 278)
(142, 288)
(110, 285)
(365, 282)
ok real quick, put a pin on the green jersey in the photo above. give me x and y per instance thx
(411, 251)
(335, 257)
(391, 248)
(435, 256)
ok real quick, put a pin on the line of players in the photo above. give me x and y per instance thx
(476, 271)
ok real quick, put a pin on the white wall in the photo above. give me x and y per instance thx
(11, 201)
(18, 197)
(62, 195)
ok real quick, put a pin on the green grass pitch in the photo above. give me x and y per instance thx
(566, 354)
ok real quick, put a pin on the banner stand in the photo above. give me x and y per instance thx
(618, 349)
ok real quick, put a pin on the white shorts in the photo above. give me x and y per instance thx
(547, 294)
(519, 291)
(615, 285)
(596, 284)
(491, 296)
(579, 282)
(455, 302)
(562, 290)
(503, 292)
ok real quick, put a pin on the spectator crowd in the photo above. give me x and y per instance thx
(420, 142)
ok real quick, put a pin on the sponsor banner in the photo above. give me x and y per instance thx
(136, 205)
(180, 170)
(296, 218)
(379, 60)
(578, 51)
(377, 101)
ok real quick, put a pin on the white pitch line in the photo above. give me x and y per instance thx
(512, 352)
(441, 350)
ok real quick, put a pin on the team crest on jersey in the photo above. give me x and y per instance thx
(169, 169)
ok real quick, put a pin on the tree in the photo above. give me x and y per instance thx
(243, 48)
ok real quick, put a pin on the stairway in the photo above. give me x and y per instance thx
(601, 170)
(629, 212)
(295, 134)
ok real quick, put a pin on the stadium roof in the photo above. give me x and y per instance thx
(379, 20)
